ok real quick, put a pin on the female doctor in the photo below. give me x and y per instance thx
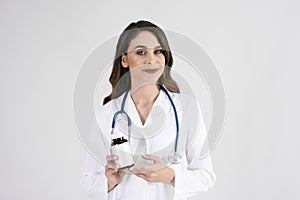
(161, 119)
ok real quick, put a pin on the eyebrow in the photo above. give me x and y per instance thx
(143, 46)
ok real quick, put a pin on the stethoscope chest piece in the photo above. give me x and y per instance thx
(174, 158)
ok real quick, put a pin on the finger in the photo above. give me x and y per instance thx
(109, 171)
(146, 177)
(125, 170)
(159, 165)
(111, 157)
(112, 166)
(146, 169)
(153, 158)
(143, 176)
(111, 162)
(142, 169)
(121, 173)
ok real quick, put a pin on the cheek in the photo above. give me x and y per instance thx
(136, 61)
(162, 60)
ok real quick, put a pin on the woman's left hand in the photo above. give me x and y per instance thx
(158, 172)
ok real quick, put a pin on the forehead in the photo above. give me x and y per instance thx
(144, 38)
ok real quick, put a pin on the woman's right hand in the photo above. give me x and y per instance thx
(112, 172)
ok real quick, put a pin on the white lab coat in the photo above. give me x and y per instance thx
(192, 175)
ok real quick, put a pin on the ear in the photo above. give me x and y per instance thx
(124, 61)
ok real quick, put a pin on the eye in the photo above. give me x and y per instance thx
(141, 52)
(158, 51)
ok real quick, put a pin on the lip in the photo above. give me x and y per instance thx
(151, 71)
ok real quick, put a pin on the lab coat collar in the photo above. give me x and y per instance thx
(133, 113)
(162, 100)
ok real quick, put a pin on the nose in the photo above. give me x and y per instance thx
(150, 59)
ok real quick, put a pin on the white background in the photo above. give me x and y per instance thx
(254, 44)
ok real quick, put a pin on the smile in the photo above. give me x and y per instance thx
(151, 71)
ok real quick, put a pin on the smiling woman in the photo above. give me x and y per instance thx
(145, 60)
(142, 86)
(121, 83)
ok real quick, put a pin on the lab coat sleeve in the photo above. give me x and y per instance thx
(93, 179)
(197, 175)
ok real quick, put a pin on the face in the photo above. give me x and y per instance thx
(144, 58)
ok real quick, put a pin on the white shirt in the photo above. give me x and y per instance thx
(192, 175)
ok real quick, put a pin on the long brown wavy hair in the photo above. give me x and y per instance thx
(120, 79)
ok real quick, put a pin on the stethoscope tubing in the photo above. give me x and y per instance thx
(122, 111)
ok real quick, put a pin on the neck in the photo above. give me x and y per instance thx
(144, 95)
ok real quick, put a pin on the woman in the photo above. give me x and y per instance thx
(142, 82)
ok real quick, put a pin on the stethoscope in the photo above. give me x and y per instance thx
(174, 157)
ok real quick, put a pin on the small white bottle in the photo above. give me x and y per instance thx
(120, 147)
